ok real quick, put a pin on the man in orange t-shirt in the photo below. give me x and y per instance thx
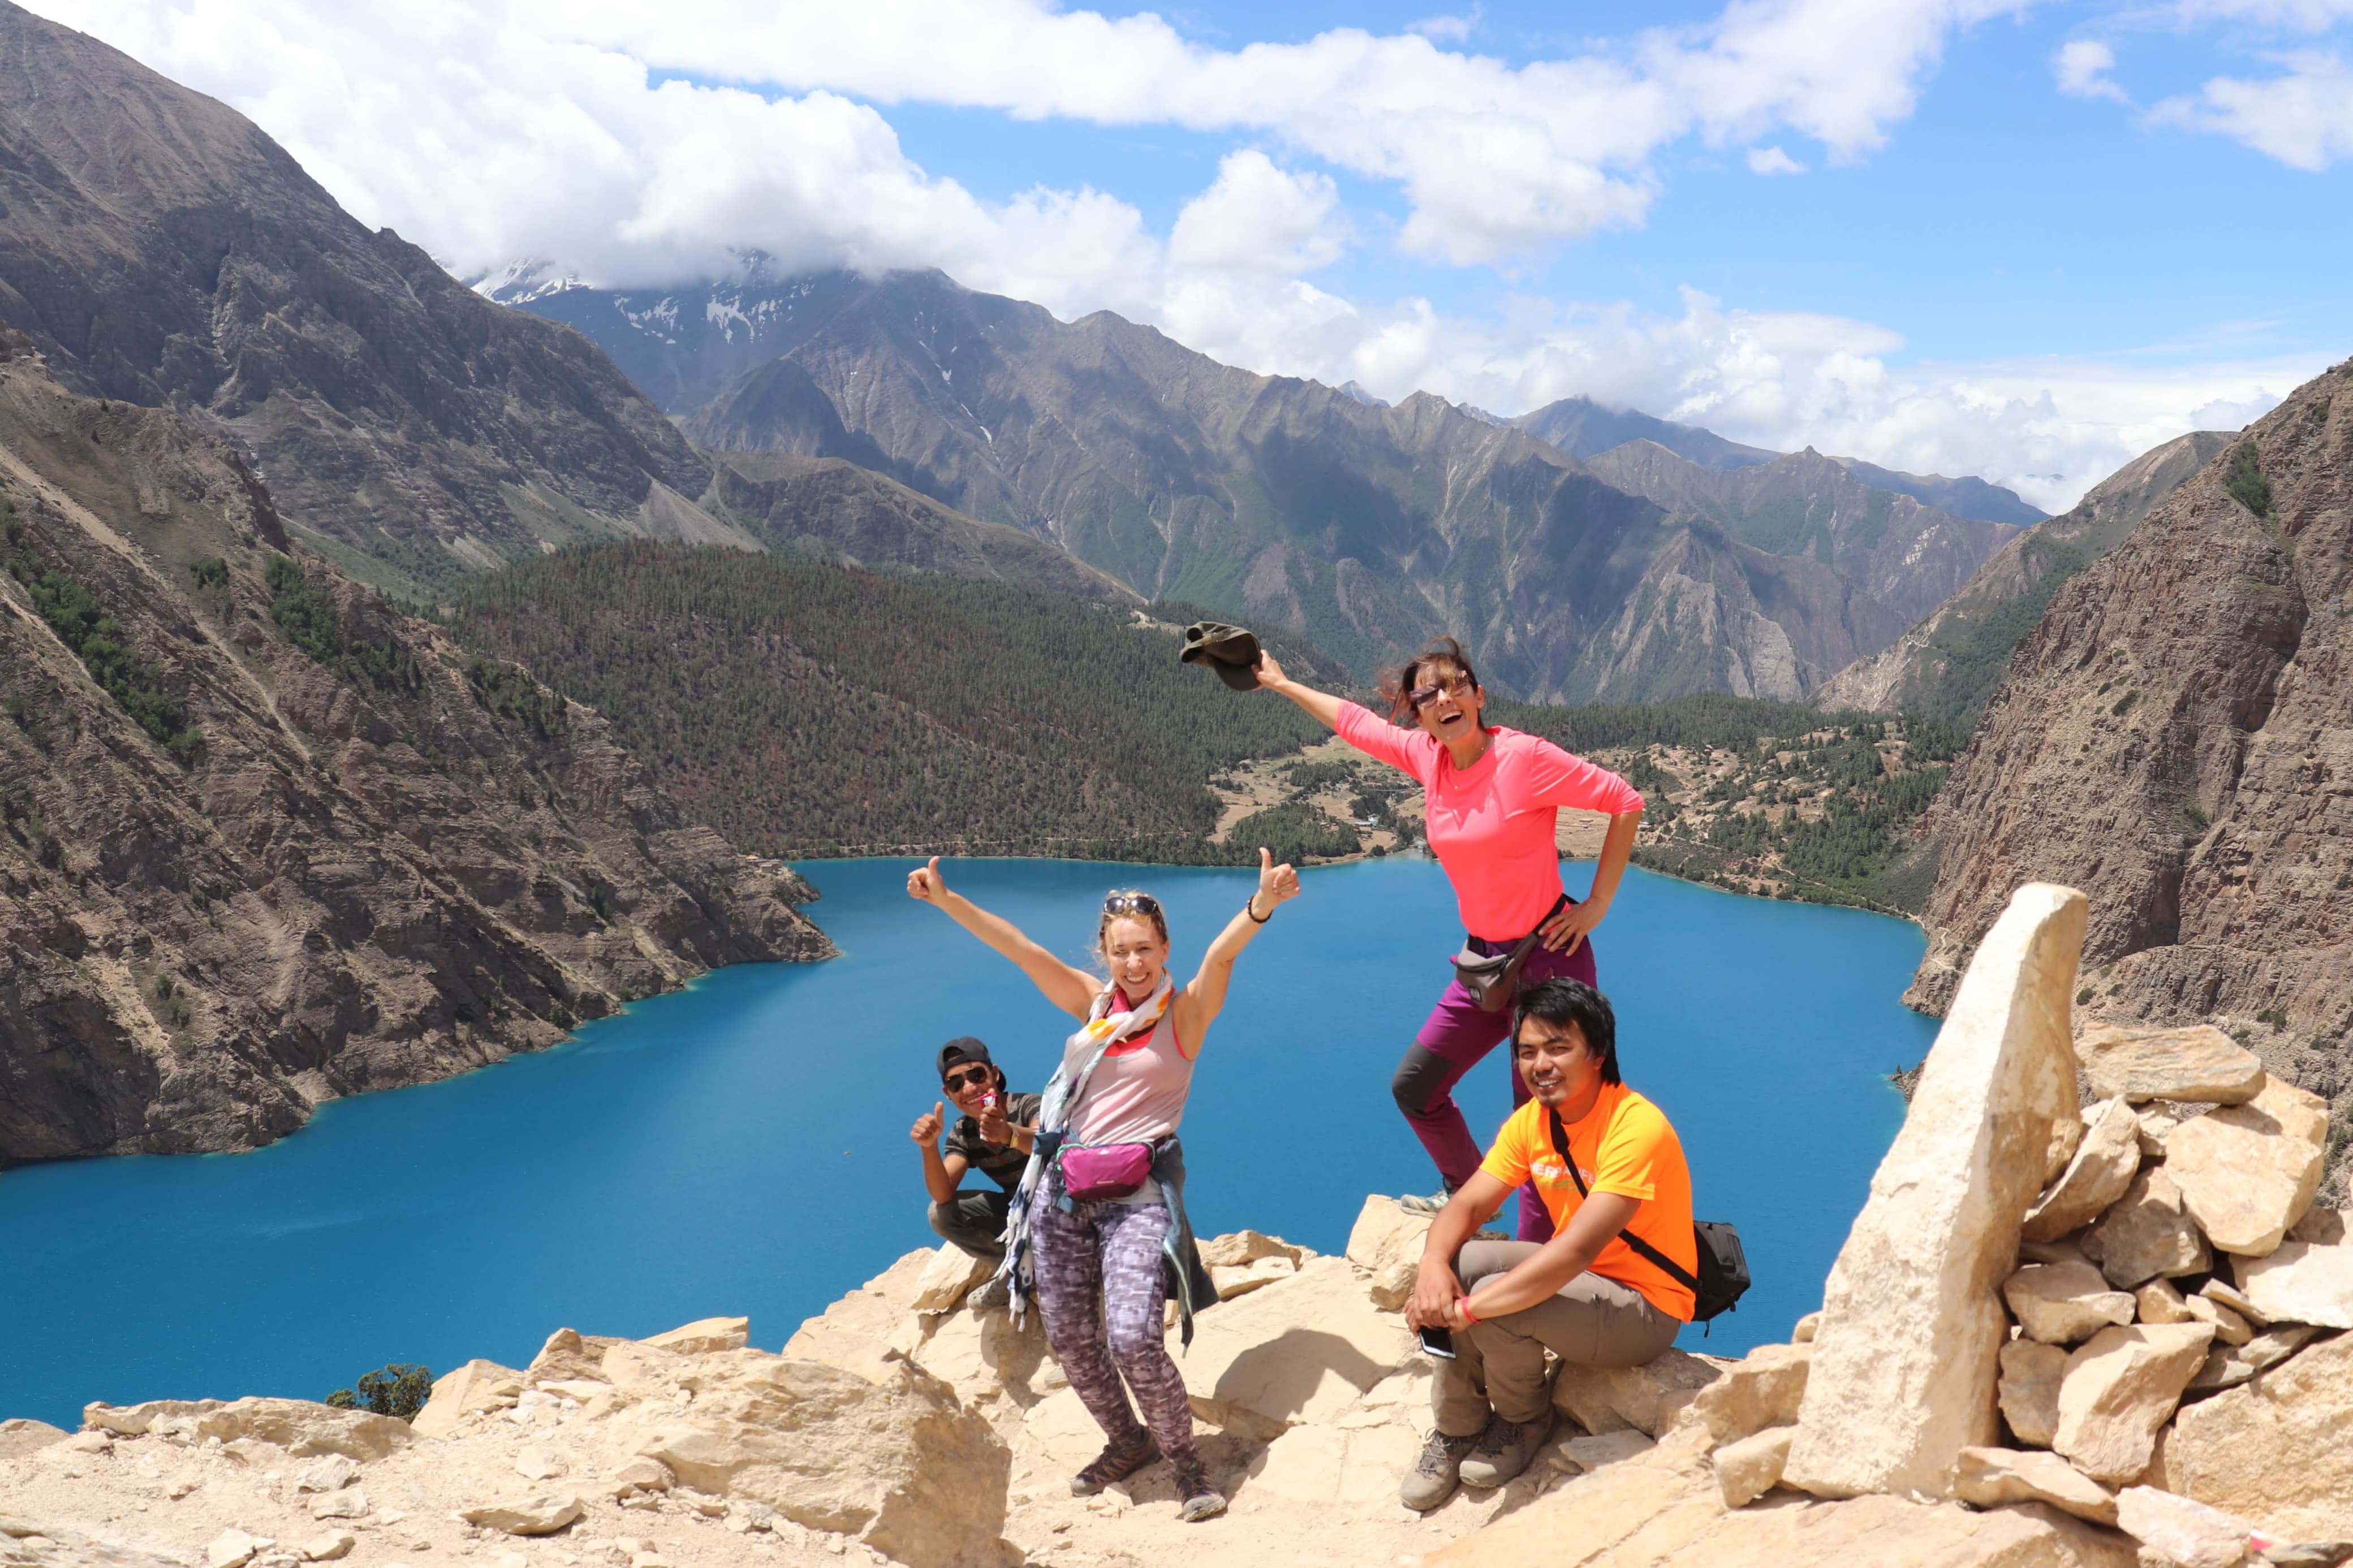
(1586, 1294)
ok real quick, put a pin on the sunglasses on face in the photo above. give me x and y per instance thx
(977, 1078)
(1131, 904)
(1453, 686)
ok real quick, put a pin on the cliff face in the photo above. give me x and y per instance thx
(264, 842)
(1945, 666)
(161, 249)
(2176, 737)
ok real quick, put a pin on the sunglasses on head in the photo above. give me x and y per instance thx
(1131, 903)
(978, 1078)
(1453, 686)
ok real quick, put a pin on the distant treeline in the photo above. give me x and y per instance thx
(808, 709)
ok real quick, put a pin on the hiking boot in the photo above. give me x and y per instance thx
(1434, 1476)
(1116, 1463)
(1415, 1203)
(992, 1294)
(1197, 1500)
(1505, 1449)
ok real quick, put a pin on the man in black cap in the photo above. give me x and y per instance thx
(992, 1137)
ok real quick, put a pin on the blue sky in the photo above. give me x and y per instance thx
(2026, 240)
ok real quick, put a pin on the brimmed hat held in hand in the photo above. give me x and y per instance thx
(1229, 650)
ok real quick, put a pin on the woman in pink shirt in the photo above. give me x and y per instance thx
(1493, 795)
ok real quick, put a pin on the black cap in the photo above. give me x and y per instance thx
(1229, 650)
(963, 1048)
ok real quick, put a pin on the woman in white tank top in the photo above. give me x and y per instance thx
(1125, 1075)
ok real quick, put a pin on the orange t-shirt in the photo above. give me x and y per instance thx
(1624, 1145)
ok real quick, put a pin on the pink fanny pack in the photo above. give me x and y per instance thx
(1105, 1171)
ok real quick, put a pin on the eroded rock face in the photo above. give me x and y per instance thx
(296, 1426)
(1903, 1367)
(2248, 1171)
(1385, 1243)
(1642, 1399)
(2274, 1448)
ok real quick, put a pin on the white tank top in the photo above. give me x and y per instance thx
(1136, 1094)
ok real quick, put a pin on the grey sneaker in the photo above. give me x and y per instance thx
(1505, 1449)
(1197, 1497)
(1435, 1474)
(1415, 1203)
(990, 1294)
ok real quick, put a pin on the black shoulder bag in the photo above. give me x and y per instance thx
(1723, 1265)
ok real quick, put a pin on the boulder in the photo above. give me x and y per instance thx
(870, 1328)
(703, 1335)
(23, 1435)
(2148, 1235)
(2301, 1282)
(2249, 1172)
(1803, 1334)
(543, 1514)
(234, 1548)
(2229, 1328)
(640, 1475)
(1747, 1469)
(332, 1547)
(349, 1504)
(2060, 1304)
(2201, 1063)
(2031, 1374)
(1592, 1452)
(477, 1386)
(2274, 1448)
(2180, 1531)
(1993, 1478)
(329, 1474)
(538, 1462)
(296, 1426)
(2227, 1366)
(893, 1459)
(2103, 1165)
(1763, 1389)
(2223, 1294)
(570, 1356)
(2119, 1388)
(156, 1416)
(2160, 1117)
(1239, 1249)
(2159, 1301)
(1385, 1243)
(2066, 1137)
(1632, 1398)
(1299, 1351)
(949, 1276)
(1903, 1364)
(1234, 1280)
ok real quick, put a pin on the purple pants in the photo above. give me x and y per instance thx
(1452, 1040)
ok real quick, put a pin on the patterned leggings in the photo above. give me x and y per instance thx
(1113, 1250)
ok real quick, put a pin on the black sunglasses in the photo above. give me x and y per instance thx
(1453, 686)
(980, 1078)
(1131, 903)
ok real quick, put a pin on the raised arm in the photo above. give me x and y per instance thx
(1199, 1005)
(1072, 990)
(1322, 704)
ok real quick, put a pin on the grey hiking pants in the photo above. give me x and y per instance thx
(974, 1221)
(1499, 1363)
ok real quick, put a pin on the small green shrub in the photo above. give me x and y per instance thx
(2125, 704)
(2196, 819)
(397, 1390)
(212, 571)
(2083, 996)
(2245, 482)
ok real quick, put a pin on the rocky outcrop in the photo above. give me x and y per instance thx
(2172, 737)
(264, 841)
(1947, 665)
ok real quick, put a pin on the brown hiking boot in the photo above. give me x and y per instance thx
(1505, 1449)
(1116, 1463)
(1197, 1500)
(1435, 1474)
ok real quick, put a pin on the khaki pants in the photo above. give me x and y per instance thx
(1499, 1363)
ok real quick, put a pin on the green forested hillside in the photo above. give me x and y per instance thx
(807, 709)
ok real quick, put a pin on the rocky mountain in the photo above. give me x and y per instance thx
(1365, 528)
(1948, 666)
(1584, 428)
(2172, 737)
(264, 842)
(1967, 496)
(161, 250)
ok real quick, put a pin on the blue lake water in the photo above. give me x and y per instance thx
(742, 1146)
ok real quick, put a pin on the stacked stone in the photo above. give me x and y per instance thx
(2148, 1342)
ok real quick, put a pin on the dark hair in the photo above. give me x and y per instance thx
(1561, 1002)
(1397, 685)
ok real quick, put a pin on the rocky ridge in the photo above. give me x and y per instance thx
(2059, 1336)
(1949, 665)
(2173, 737)
(263, 841)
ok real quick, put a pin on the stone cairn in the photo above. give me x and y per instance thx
(2127, 1311)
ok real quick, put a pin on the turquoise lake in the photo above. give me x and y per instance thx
(742, 1146)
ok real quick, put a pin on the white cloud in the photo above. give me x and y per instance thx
(1451, 30)
(1773, 161)
(2302, 116)
(2083, 68)
(1259, 218)
(2303, 16)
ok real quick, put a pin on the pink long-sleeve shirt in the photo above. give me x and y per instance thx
(1491, 824)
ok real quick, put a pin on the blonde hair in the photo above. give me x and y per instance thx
(1149, 911)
